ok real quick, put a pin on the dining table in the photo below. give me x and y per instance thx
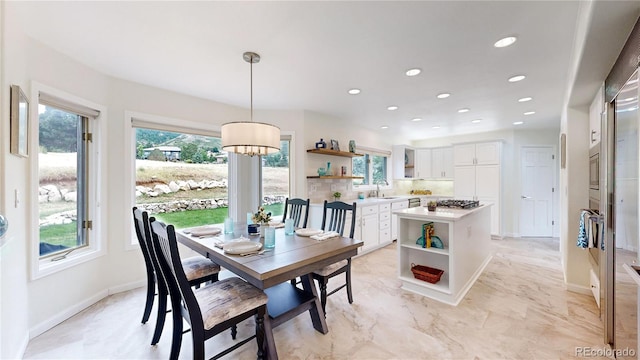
(294, 256)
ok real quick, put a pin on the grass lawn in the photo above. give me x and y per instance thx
(64, 234)
(185, 219)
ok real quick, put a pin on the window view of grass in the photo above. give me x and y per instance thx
(192, 218)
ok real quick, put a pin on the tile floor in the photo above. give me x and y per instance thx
(518, 309)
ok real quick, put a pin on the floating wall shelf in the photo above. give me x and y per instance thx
(333, 152)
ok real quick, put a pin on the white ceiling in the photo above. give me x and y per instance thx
(313, 52)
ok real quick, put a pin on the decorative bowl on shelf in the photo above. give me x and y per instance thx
(322, 172)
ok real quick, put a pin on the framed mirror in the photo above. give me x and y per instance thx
(19, 122)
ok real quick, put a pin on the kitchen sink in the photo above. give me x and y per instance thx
(390, 197)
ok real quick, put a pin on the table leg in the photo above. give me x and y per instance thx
(317, 315)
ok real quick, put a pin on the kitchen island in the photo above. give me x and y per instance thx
(465, 235)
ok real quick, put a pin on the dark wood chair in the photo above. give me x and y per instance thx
(198, 270)
(334, 218)
(210, 309)
(295, 208)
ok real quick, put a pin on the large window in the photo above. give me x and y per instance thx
(373, 167)
(63, 178)
(276, 179)
(181, 177)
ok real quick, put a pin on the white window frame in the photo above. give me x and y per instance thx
(153, 121)
(41, 267)
(378, 152)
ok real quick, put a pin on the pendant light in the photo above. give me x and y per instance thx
(249, 137)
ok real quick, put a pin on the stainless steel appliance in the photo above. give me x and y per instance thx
(619, 202)
(414, 202)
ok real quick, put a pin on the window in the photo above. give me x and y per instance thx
(63, 180)
(373, 167)
(180, 176)
(68, 217)
(276, 179)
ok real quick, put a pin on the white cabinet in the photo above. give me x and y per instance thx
(403, 158)
(442, 163)
(596, 111)
(466, 251)
(367, 226)
(396, 205)
(422, 168)
(477, 154)
(480, 178)
(384, 224)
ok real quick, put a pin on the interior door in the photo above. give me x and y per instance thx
(536, 200)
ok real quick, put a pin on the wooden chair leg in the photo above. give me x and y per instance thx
(260, 334)
(162, 314)
(348, 276)
(151, 293)
(198, 344)
(176, 340)
(323, 295)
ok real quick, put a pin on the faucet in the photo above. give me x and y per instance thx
(378, 186)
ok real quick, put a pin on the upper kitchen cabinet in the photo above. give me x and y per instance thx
(422, 169)
(404, 161)
(442, 163)
(596, 111)
(487, 153)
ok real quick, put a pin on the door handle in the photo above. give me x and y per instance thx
(525, 197)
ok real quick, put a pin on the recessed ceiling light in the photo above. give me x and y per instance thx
(463, 110)
(354, 91)
(475, 121)
(504, 42)
(530, 113)
(436, 127)
(392, 107)
(525, 99)
(516, 78)
(384, 127)
(413, 72)
(443, 95)
(518, 123)
(416, 119)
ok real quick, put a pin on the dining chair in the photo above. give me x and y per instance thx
(334, 218)
(295, 208)
(198, 270)
(210, 309)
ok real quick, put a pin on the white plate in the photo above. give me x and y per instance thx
(308, 232)
(242, 247)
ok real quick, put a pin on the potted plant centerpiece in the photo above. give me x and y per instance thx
(262, 218)
(336, 195)
(431, 205)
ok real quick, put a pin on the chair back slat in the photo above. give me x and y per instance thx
(296, 208)
(336, 214)
(166, 247)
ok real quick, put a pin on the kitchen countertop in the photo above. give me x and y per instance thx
(421, 213)
(385, 199)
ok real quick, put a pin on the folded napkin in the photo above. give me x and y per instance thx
(219, 243)
(276, 225)
(325, 236)
(206, 230)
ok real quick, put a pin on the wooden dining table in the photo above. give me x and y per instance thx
(292, 257)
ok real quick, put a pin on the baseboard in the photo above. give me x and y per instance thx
(23, 347)
(74, 309)
(67, 313)
(512, 235)
(127, 287)
(496, 237)
(580, 289)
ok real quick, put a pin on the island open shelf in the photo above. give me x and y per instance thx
(466, 237)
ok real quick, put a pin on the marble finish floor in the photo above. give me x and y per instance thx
(518, 309)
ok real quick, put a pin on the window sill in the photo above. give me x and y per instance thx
(46, 267)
